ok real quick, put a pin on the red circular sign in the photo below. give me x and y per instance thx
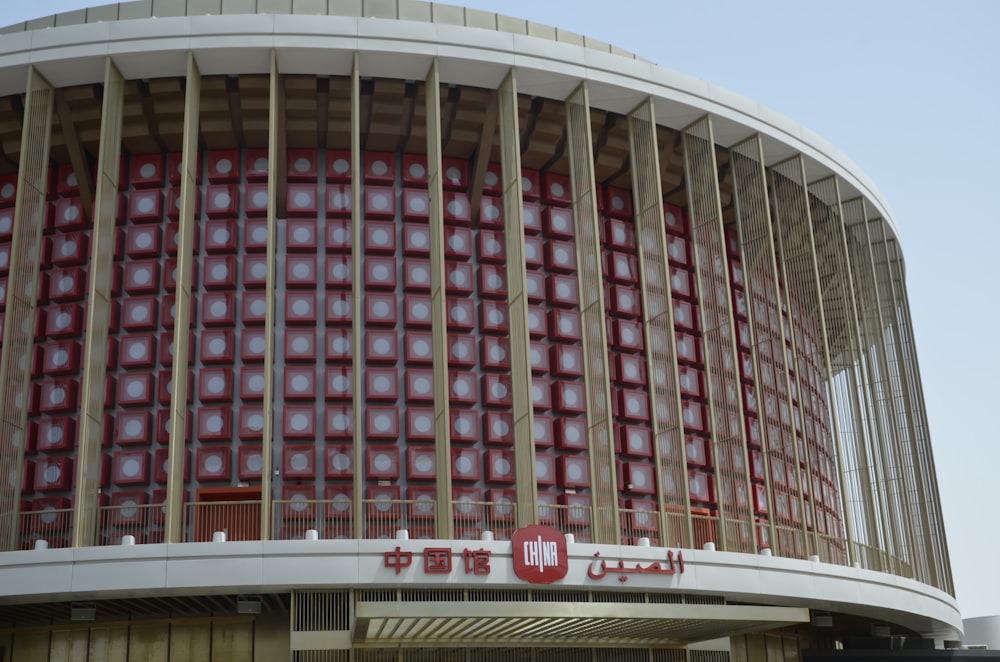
(540, 554)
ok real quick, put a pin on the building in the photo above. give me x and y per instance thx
(402, 331)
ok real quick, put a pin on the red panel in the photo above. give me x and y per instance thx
(416, 275)
(630, 369)
(493, 317)
(636, 441)
(380, 167)
(461, 314)
(416, 240)
(382, 423)
(338, 166)
(125, 508)
(54, 473)
(221, 201)
(380, 273)
(633, 405)
(214, 424)
(685, 315)
(621, 235)
(338, 271)
(218, 309)
(497, 390)
(459, 279)
(299, 422)
(573, 471)
(537, 322)
(676, 220)
(382, 462)
(223, 166)
(681, 284)
(464, 425)
(302, 165)
(301, 502)
(700, 485)
(691, 382)
(455, 174)
(144, 207)
(640, 477)
(142, 277)
(381, 347)
(493, 281)
(562, 291)
(560, 256)
(380, 310)
(251, 423)
(625, 301)
(749, 399)
(418, 311)
(54, 434)
(538, 355)
(457, 208)
(463, 388)
(385, 506)
(382, 384)
(696, 450)
(339, 383)
(161, 465)
(301, 200)
(418, 348)
(617, 202)
(68, 284)
(500, 466)
(534, 252)
(623, 269)
(556, 189)
(495, 353)
(688, 348)
(300, 308)
(339, 461)
(143, 241)
(338, 201)
(300, 383)
(414, 170)
(217, 346)
(541, 394)
(61, 358)
(339, 423)
(380, 202)
(255, 235)
(219, 272)
(69, 249)
(534, 287)
(215, 385)
(298, 461)
(212, 463)
(490, 212)
(252, 345)
(257, 165)
(531, 185)
(130, 468)
(571, 434)
(338, 308)
(339, 346)
(66, 181)
(64, 321)
(419, 424)
(465, 465)
(220, 236)
(567, 360)
(545, 469)
(252, 383)
(300, 235)
(255, 200)
(174, 210)
(146, 171)
(569, 397)
(679, 251)
(695, 417)
(565, 325)
(4, 259)
(499, 428)
(135, 389)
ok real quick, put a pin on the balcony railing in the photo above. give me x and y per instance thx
(296, 519)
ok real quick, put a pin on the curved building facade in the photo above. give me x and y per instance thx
(396, 331)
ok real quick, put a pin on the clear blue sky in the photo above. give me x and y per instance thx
(910, 90)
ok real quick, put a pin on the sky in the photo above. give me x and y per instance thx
(908, 89)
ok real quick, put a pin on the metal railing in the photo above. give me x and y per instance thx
(331, 519)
